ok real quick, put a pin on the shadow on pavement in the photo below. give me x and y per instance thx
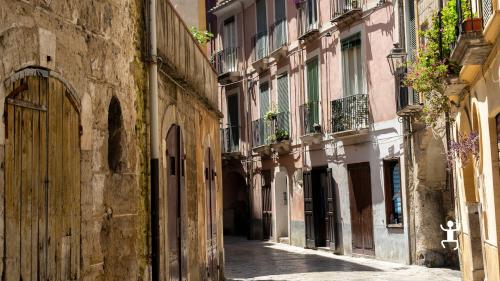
(250, 259)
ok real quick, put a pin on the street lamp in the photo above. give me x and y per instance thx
(397, 59)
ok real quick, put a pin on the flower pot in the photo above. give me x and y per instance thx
(472, 25)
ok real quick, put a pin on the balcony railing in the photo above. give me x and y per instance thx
(408, 101)
(342, 7)
(278, 34)
(226, 60)
(307, 18)
(309, 113)
(260, 46)
(471, 48)
(350, 113)
(261, 131)
(230, 138)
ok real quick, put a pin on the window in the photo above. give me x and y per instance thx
(229, 33)
(264, 99)
(233, 121)
(261, 36)
(393, 202)
(283, 120)
(313, 90)
(351, 66)
(115, 135)
(229, 45)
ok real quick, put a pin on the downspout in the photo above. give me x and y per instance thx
(154, 149)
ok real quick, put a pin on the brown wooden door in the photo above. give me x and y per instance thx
(361, 208)
(211, 217)
(267, 209)
(330, 211)
(175, 184)
(42, 182)
(309, 210)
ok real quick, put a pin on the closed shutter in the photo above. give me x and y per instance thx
(313, 90)
(412, 34)
(308, 211)
(279, 10)
(352, 66)
(283, 102)
(264, 99)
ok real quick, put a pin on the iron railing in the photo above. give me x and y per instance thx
(278, 34)
(226, 60)
(340, 7)
(350, 113)
(407, 97)
(282, 124)
(261, 131)
(309, 113)
(230, 138)
(307, 17)
(260, 45)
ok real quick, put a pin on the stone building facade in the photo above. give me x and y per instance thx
(74, 177)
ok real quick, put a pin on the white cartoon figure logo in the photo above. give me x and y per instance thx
(449, 234)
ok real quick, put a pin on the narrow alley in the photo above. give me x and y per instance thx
(261, 260)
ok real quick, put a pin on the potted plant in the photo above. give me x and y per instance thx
(271, 138)
(282, 135)
(271, 115)
(317, 128)
(472, 22)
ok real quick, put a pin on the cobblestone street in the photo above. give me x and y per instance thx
(257, 260)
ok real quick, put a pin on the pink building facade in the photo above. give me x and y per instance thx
(312, 143)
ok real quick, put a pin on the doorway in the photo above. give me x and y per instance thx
(281, 205)
(360, 196)
(267, 210)
(319, 208)
(175, 185)
(211, 217)
(236, 214)
(42, 182)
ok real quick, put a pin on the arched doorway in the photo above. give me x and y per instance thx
(236, 207)
(42, 181)
(211, 217)
(175, 187)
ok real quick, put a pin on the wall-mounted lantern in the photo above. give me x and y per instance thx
(397, 60)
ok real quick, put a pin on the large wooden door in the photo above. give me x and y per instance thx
(361, 208)
(211, 217)
(267, 209)
(309, 210)
(175, 184)
(42, 182)
(330, 211)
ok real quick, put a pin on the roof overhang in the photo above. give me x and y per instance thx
(226, 7)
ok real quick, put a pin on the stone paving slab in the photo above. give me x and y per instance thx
(257, 260)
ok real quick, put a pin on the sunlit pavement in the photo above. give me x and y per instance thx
(257, 260)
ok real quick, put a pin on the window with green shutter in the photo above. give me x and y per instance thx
(283, 121)
(313, 90)
(264, 99)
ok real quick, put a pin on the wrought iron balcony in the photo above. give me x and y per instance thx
(230, 138)
(350, 113)
(309, 113)
(261, 130)
(408, 102)
(260, 45)
(307, 19)
(345, 12)
(226, 63)
(279, 38)
(470, 47)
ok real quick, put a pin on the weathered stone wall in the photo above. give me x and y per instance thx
(95, 48)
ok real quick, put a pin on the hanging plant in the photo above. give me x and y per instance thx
(428, 71)
(272, 114)
(463, 149)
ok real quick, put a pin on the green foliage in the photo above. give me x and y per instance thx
(427, 73)
(202, 36)
(282, 135)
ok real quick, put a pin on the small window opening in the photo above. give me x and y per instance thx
(115, 135)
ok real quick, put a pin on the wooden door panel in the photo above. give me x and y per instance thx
(330, 211)
(361, 208)
(42, 195)
(309, 211)
(211, 216)
(173, 179)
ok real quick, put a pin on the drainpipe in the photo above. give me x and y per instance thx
(154, 149)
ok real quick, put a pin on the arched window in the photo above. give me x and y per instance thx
(115, 135)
